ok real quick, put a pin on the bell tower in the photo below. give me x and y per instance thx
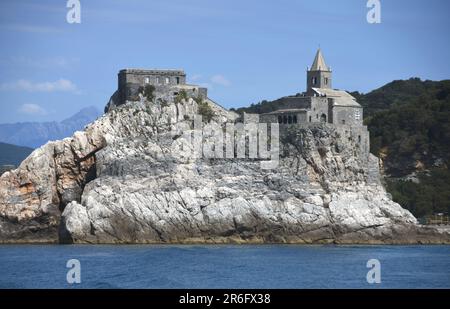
(319, 75)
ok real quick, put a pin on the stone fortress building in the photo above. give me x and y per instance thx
(320, 103)
(167, 85)
(165, 81)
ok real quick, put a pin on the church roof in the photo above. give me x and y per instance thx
(319, 63)
(341, 98)
(288, 110)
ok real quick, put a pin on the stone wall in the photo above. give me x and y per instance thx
(153, 77)
(129, 81)
(319, 110)
(347, 115)
(322, 79)
(301, 117)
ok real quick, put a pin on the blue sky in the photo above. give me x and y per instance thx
(243, 50)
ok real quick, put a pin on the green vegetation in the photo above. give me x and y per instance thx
(431, 195)
(259, 108)
(198, 99)
(181, 96)
(205, 110)
(401, 92)
(413, 132)
(409, 124)
(148, 91)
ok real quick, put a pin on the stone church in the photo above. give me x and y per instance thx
(320, 102)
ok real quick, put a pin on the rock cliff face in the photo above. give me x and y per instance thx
(127, 179)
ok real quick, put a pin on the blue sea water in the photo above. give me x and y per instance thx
(224, 266)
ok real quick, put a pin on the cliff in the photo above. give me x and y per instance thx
(124, 180)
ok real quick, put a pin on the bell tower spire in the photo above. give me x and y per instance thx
(319, 75)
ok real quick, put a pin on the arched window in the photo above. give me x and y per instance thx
(178, 80)
(294, 119)
(167, 80)
(147, 80)
(290, 119)
(285, 119)
(323, 118)
(280, 119)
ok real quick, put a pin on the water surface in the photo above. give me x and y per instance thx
(224, 266)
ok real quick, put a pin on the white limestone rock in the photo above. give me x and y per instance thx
(130, 178)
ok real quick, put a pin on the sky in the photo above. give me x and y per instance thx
(244, 51)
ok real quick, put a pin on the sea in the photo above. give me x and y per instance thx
(224, 266)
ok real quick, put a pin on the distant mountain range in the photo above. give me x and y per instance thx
(12, 154)
(35, 134)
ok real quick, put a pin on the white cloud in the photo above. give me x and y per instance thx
(220, 80)
(26, 85)
(32, 109)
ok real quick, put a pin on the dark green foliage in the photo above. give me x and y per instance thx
(411, 128)
(401, 92)
(259, 108)
(198, 100)
(148, 91)
(181, 96)
(430, 196)
(206, 111)
(409, 123)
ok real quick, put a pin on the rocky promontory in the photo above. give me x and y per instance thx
(124, 180)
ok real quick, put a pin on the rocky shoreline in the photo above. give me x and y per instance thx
(121, 181)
